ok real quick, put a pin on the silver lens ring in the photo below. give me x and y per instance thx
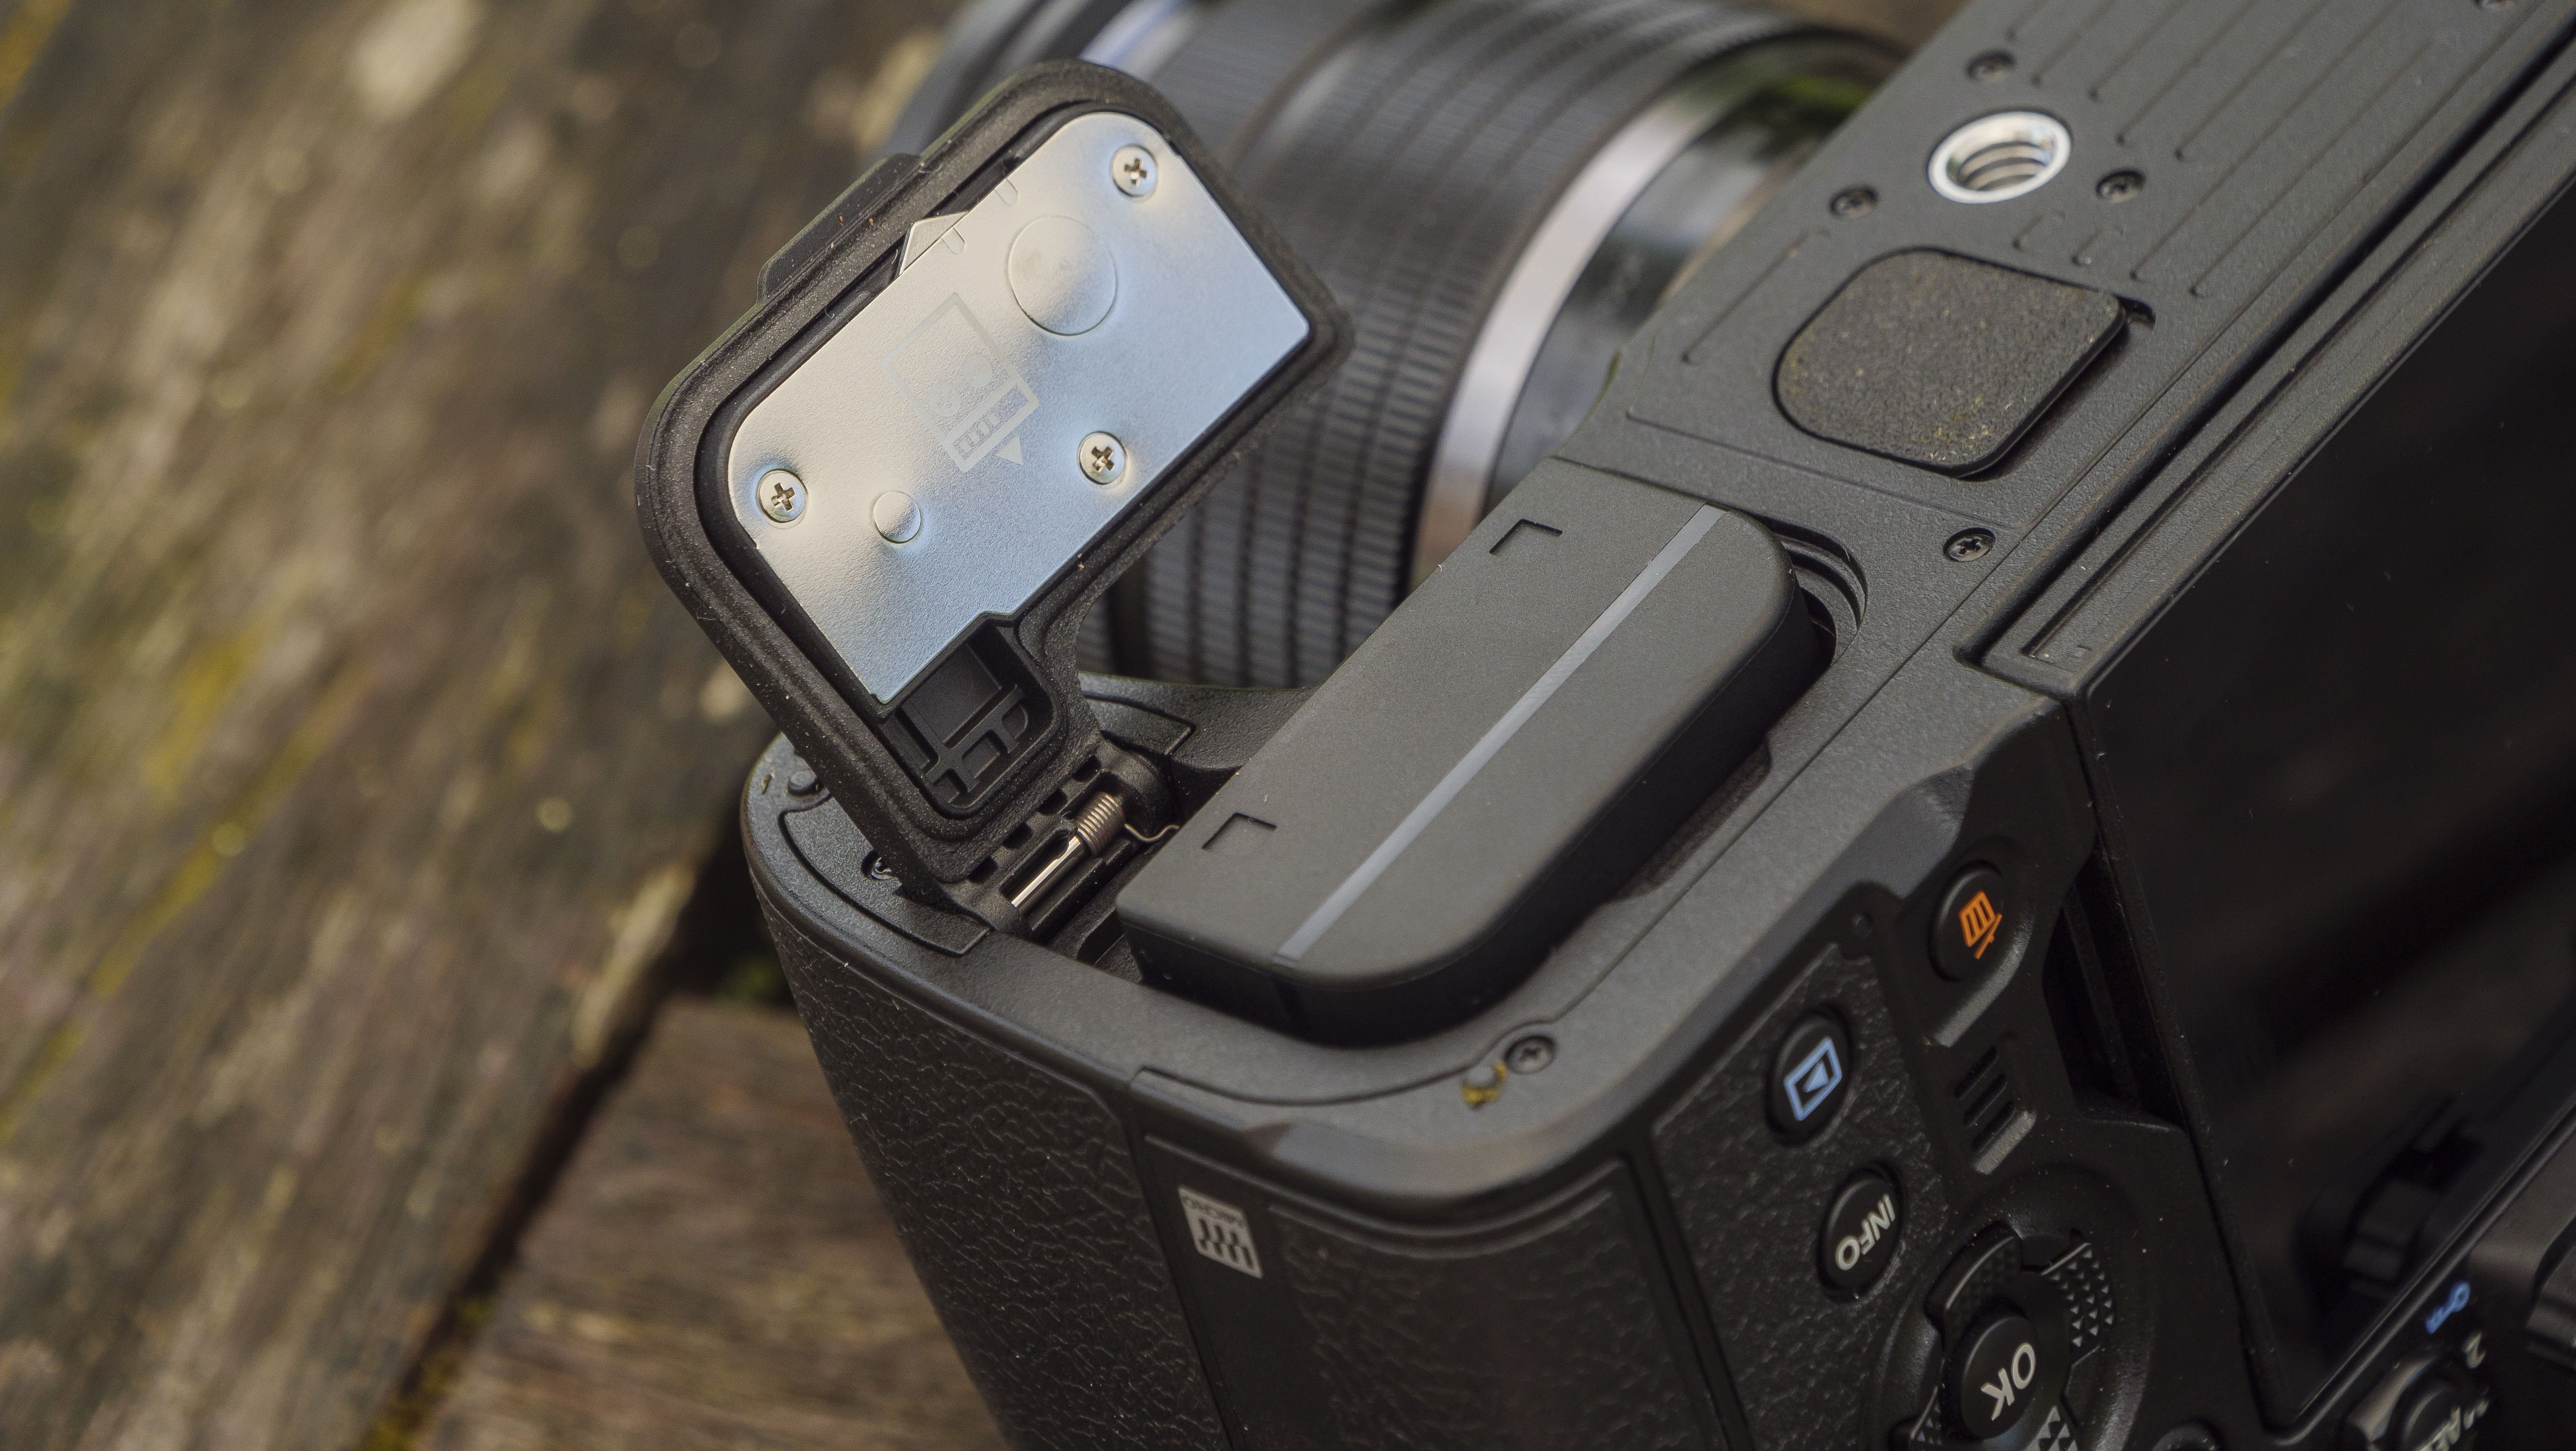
(1471, 437)
(1657, 199)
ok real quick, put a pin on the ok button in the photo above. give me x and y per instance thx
(2002, 1375)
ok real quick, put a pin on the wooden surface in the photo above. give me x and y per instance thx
(713, 1272)
(353, 760)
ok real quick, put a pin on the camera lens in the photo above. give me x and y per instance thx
(1498, 191)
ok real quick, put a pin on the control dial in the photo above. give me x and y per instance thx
(2014, 1320)
(2429, 1402)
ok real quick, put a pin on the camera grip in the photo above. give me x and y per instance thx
(1020, 1207)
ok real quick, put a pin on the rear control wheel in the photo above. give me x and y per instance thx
(2007, 1355)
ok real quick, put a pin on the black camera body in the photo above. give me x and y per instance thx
(2083, 957)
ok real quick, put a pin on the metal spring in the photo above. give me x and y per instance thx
(1098, 819)
(1095, 825)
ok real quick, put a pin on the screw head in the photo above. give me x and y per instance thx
(1854, 201)
(1132, 169)
(1103, 458)
(1530, 1054)
(875, 868)
(1969, 544)
(1994, 65)
(897, 517)
(782, 496)
(2119, 186)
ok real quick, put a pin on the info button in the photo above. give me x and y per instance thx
(1861, 1226)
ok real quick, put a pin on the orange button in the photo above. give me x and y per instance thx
(1975, 925)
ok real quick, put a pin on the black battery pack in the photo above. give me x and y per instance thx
(1511, 745)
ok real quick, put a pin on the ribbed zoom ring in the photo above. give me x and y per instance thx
(1408, 159)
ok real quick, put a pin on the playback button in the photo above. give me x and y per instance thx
(1862, 1224)
(1810, 1076)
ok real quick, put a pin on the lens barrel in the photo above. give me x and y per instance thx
(1498, 191)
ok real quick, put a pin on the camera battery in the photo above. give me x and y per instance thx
(1509, 747)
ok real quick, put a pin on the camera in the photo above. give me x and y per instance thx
(1536, 724)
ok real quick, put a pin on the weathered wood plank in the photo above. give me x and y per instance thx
(352, 759)
(713, 1271)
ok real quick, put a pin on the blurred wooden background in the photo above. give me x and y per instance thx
(357, 773)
